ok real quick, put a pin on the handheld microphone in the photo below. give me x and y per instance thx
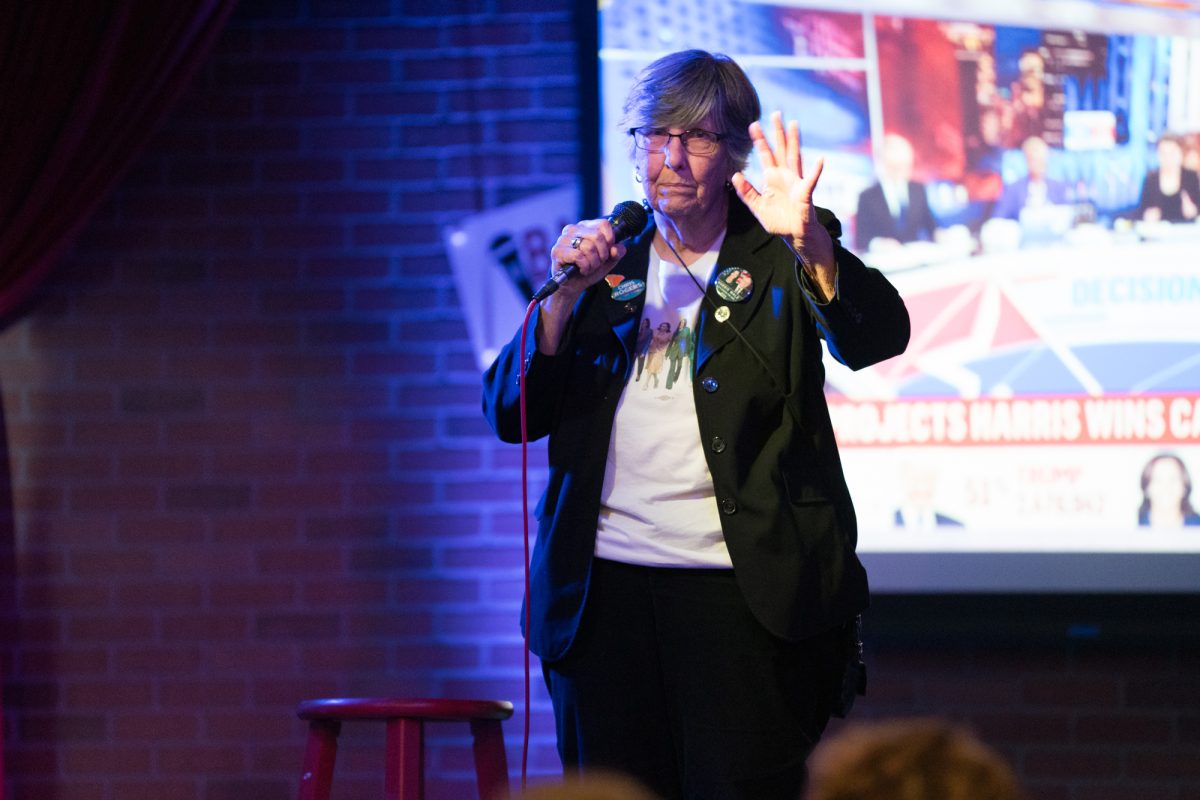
(628, 217)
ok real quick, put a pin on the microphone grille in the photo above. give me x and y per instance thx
(628, 217)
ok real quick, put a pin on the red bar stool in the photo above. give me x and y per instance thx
(404, 778)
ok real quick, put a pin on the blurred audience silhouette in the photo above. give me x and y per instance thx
(909, 759)
(590, 785)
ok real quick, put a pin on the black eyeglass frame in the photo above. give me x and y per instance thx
(639, 135)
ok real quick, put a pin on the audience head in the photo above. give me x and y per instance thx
(593, 785)
(914, 759)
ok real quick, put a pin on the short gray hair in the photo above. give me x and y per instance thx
(682, 89)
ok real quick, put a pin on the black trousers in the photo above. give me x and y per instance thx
(673, 681)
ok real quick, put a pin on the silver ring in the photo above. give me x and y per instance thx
(575, 242)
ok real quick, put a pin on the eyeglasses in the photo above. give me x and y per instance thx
(697, 142)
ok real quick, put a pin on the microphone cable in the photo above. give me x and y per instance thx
(525, 528)
(627, 218)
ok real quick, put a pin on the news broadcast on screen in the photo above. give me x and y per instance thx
(1025, 174)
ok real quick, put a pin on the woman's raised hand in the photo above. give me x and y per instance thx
(784, 203)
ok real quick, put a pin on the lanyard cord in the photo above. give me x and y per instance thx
(713, 305)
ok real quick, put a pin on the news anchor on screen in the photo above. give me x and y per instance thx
(895, 210)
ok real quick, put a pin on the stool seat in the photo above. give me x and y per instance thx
(404, 775)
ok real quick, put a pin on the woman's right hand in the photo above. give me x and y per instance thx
(591, 247)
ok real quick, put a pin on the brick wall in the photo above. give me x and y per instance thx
(247, 465)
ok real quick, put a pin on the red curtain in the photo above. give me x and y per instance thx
(82, 88)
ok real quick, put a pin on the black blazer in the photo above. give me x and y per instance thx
(785, 510)
(874, 217)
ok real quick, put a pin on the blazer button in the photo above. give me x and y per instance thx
(718, 444)
(728, 505)
(710, 384)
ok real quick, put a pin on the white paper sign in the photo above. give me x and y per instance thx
(500, 257)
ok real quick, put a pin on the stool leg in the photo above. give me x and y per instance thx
(491, 762)
(316, 776)
(404, 768)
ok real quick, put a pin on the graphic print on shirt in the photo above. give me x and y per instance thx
(664, 350)
(666, 341)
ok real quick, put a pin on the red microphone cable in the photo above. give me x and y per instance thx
(525, 524)
(627, 218)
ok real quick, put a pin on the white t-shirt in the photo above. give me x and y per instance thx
(658, 507)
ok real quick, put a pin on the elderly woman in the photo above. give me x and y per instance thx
(694, 582)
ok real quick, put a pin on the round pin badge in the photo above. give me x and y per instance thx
(735, 284)
(628, 289)
(722, 313)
